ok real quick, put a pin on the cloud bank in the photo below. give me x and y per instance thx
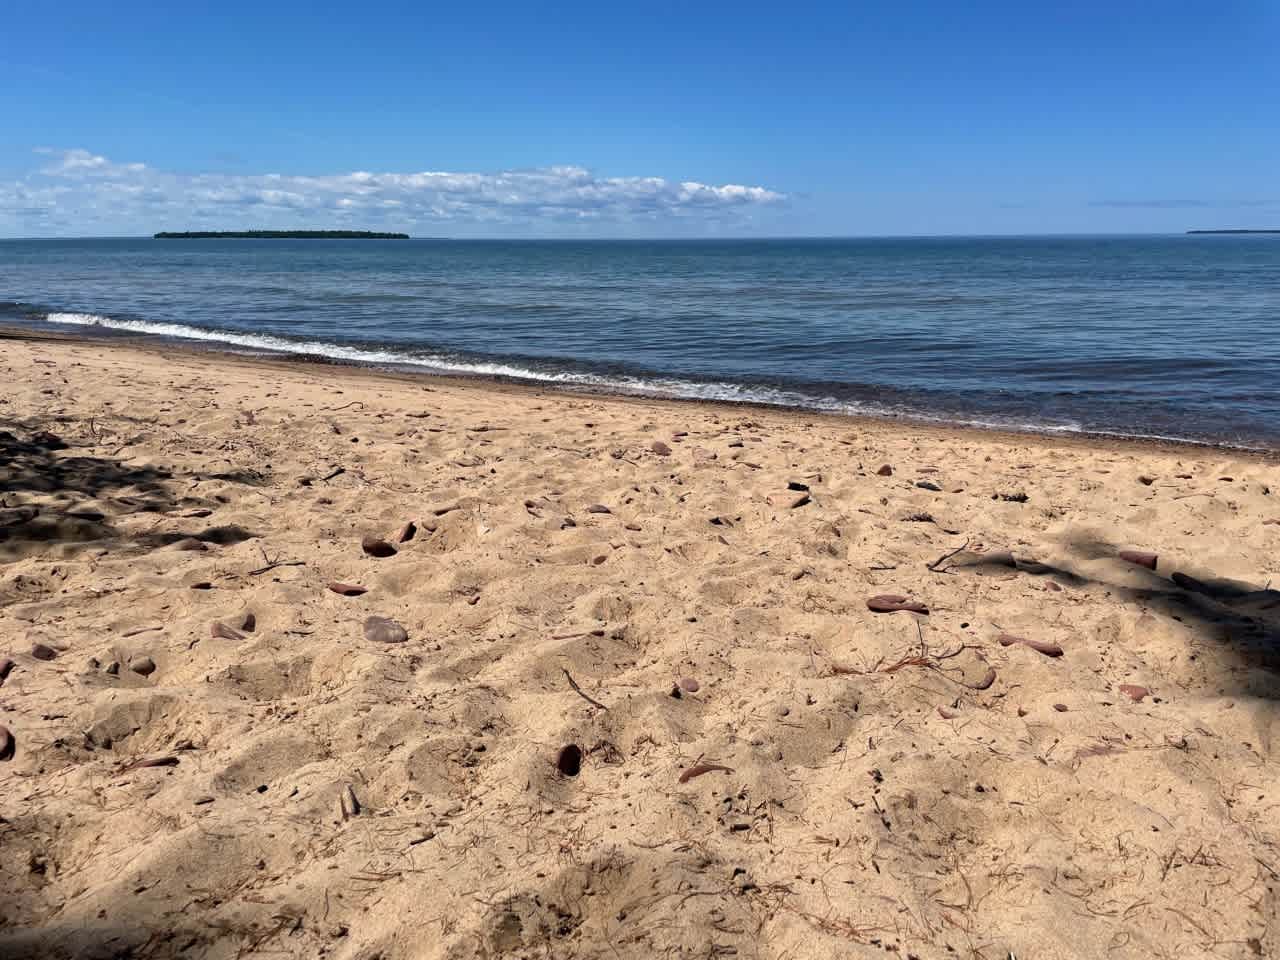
(79, 191)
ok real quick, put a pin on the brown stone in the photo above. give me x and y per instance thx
(377, 547)
(892, 602)
(384, 630)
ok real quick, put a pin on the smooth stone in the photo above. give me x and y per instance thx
(384, 630)
(144, 666)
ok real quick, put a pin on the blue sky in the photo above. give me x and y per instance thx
(700, 119)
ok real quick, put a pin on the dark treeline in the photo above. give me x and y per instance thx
(280, 235)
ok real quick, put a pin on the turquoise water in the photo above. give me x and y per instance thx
(1153, 336)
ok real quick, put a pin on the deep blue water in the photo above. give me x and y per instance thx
(1160, 336)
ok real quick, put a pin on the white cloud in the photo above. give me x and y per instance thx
(82, 192)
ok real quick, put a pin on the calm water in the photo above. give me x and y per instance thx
(1161, 336)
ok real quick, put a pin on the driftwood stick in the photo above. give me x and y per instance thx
(947, 556)
(578, 690)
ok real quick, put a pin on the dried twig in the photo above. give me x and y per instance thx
(578, 690)
(947, 556)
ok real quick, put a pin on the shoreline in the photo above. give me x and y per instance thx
(220, 349)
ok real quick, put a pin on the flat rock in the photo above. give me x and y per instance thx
(660, 448)
(384, 630)
(220, 631)
(347, 589)
(42, 651)
(892, 602)
(377, 547)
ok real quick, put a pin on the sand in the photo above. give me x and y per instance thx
(523, 774)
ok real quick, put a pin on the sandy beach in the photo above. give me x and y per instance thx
(307, 660)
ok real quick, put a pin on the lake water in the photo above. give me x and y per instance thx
(1172, 336)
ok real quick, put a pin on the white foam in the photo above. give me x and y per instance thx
(670, 387)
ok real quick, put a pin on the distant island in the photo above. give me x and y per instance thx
(1233, 231)
(279, 235)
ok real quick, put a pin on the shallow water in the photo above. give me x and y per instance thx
(1151, 336)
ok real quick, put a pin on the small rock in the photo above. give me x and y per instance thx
(113, 668)
(246, 622)
(42, 651)
(801, 501)
(1060, 707)
(6, 665)
(569, 760)
(347, 589)
(892, 602)
(1040, 646)
(660, 448)
(377, 547)
(201, 801)
(1133, 692)
(598, 508)
(407, 532)
(1139, 558)
(220, 631)
(143, 666)
(885, 471)
(348, 803)
(1146, 481)
(191, 544)
(798, 486)
(384, 630)
(928, 485)
(7, 744)
(689, 685)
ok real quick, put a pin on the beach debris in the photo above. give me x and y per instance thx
(885, 471)
(191, 544)
(928, 485)
(384, 630)
(308, 481)
(1011, 497)
(42, 651)
(143, 666)
(201, 801)
(377, 547)
(798, 486)
(406, 532)
(167, 761)
(202, 585)
(1040, 646)
(1134, 692)
(893, 602)
(578, 690)
(1139, 558)
(347, 589)
(197, 513)
(660, 448)
(569, 760)
(6, 665)
(801, 501)
(220, 631)
(698, 769)
(598, 508)
(348, 804)
(7, 744)
(937, 565)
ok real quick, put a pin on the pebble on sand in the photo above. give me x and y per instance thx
(246, 622)
(42, 651)
(1040, 646)
(407, 532)
(1134, 692)
(1140, 558)
(384, 630)
(660, 448)
(885, 471)
(569, 760)
(377, 547)
(598, 508)
(143, 666)
(220, 631)
(347, 589)
(6, 665)
(892, 602)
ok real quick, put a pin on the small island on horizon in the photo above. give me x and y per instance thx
(1233, 231)
(279, 235)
